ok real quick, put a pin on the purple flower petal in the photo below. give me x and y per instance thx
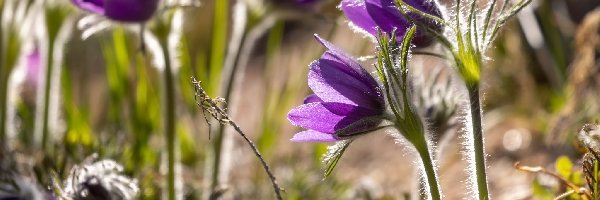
(427, 6)
(386, 15)
(338, 55)
(94, 6)
(313, 98)
(328, 117)
(120, 10)
(357, 13)
(333, 81)
(313, 136)
(347, 99)
(130, 10)
(369, 14)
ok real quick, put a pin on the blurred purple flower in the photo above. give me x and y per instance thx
(120, 10)
(304, 2)
(347, 99)
(32, 66)
(368, 15)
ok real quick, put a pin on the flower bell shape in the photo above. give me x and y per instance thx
(369, 15)
(120, 10)
(347, 100)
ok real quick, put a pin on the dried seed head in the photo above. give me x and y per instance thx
(589, 135)
(15, 185)
(100, 180)
(216, 107)
(590, 170)
(19, 187)
(436, 100)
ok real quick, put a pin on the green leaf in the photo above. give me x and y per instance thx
(595, 176)
(219, 45)
(79, 131)
(189, 154)
(319, 150)
(564, 166)
(185, 72)
(334, 154)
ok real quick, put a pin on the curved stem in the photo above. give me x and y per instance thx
(206, 103)
(428, 166)
(478, 141)
(266, 167)
(234, 69)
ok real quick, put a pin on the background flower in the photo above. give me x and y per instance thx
(120, 10)
(369, 15)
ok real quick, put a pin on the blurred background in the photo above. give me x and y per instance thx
(540, 88)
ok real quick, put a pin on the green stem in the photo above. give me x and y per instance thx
(3, 77)
(224, 67)
(478, 141)
(47, 87)
(233, 74)
(169, 107)
(430, 176)
(3, 90)
(4, 70)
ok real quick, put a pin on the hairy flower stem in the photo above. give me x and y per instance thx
(423, 150)
(478, 141)
(169, 109)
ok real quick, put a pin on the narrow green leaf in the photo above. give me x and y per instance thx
(185, 72)
(219, 43)
(405, 48)
(506, 16)
(187, 145)
(488, 18)
(334, 155)
(381, 70)
(596, 177)
(275, 100)
(472, 34)
(403, 5)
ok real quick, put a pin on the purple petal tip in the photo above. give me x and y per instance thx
(313, 136)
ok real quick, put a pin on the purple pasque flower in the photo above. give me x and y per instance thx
(33, 67)
(370, 15)
(120, 10)
(347, 100)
